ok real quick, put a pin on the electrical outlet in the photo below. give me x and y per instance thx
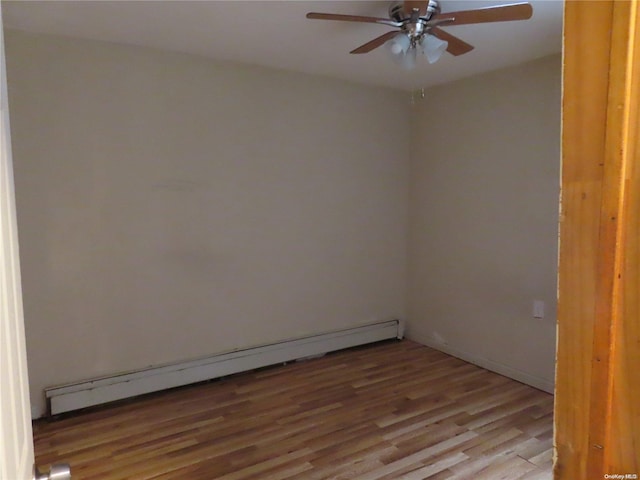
(538, 309)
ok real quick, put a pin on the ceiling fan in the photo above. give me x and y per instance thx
(418, 24)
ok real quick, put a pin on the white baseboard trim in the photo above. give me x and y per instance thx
(524, 377)
(66, 398)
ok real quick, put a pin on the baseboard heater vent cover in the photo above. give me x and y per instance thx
(66, 398)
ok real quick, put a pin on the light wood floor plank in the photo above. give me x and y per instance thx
(394, 410)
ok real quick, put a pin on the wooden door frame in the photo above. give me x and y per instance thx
(596, 417)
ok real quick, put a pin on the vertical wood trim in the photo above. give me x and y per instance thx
(608, 252)
(623, 439)
(587, 45)
(598, 284)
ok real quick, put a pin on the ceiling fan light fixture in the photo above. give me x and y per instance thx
(399, 44)
(402, 50)
(408, 60)
(433, 47)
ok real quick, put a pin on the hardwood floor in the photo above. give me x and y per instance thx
(395, 410)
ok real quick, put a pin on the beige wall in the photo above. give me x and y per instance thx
(171, 207)
(483, 219)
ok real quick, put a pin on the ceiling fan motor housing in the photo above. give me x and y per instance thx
(413, 26)
(397, 13)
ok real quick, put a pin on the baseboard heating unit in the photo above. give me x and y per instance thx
(66, 398)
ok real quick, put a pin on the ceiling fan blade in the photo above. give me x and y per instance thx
(375, 43)
(421, 6)
(351, 18)
(501, 13)
(456, 46)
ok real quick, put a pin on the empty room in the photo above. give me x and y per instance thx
(284, 240)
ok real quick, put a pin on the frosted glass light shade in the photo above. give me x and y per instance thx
(399, 45)
(408, 60)
(433, 47)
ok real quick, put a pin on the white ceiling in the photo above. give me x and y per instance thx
(277, 34)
